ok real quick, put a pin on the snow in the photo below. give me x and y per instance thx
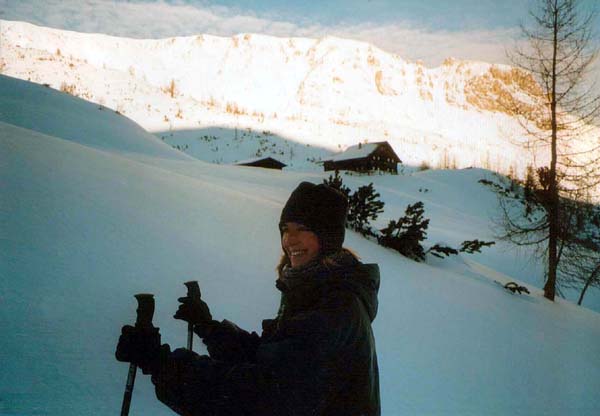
(94, 210)
(49, 111)
(356, 152)
(254, 159)
(326, 93)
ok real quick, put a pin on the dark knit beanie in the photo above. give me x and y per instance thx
(320, 208)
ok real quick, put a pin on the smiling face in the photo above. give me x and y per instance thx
(299, 243)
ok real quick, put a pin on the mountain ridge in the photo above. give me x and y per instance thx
(329, 92)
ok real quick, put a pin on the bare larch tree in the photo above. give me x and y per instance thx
(558, 50)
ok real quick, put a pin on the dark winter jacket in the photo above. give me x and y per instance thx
(316, 358)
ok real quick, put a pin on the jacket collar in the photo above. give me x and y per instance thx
(304, 285)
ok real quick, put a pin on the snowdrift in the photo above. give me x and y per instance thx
(55, 113)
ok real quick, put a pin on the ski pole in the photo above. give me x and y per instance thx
(194, 294)
(145, 311)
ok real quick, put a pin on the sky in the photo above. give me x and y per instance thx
(425, 30)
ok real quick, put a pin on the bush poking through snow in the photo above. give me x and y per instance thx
(467, 246)
(364, 205)
(498, 189)
(424, 166)
(474, 246)
(170, 89)
(406, 235)
(441, 251)
(68, 88)
(514, 288)
(335, 181)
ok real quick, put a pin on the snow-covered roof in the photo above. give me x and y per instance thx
(256, 159)
(356, 152)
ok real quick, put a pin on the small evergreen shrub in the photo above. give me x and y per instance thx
(406, 235)
(474, 246)
(364, 205)
(335, 181)
(516, 288)
(441, 251)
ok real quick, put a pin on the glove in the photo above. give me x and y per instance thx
(185, 365)
(186, 382)
(140, 346)
(227, 342)
(196, 312)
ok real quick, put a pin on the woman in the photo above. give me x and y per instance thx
(317, 357)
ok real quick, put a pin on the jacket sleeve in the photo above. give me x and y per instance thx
(294, 374)
(228, 342)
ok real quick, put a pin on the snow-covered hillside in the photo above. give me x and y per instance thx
(199, 92)
(43, 109)
(87, 224)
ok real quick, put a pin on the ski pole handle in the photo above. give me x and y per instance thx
(193, 292)
(145, 311)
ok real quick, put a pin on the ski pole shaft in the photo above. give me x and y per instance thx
(193, 293)
(128, 390)
(190, 339)
(145, 311)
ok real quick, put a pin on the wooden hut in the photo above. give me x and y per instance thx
(262, 162)
(365, 157)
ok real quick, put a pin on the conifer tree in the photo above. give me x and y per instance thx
(335, 181)
(407, 234)
(364, 205)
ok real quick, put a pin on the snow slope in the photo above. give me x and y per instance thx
(52, 112)
(84, 227)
